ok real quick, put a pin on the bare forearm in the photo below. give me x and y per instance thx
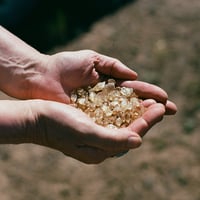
(13, 47)
(17, 62)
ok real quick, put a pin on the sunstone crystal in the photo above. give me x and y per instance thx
(108, 105)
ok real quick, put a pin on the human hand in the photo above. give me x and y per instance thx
(59, 74)
(79, 137)
(151, 93)
(69, 130)
(27, 74)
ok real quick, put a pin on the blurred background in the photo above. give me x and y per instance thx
(160, 40)
(44, 24)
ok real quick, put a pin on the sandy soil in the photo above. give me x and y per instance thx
(160, 40)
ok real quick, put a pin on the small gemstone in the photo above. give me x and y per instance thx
(99, 86)
(126, 91)
(108, 105)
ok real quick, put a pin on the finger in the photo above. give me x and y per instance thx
(113, 140)
(147, 90)
(171, 108)
(148, 102)
(114, 68)
(153, 115)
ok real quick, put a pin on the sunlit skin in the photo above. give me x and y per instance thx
(43, 115)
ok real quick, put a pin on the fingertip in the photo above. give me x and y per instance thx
(153, 115)
(124, 72)
(147, 90)
(148, 102)
(134, 142)
(114, 68)
(134, 75)
(171, 108)
(160, 95)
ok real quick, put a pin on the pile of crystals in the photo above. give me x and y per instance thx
(107, 104)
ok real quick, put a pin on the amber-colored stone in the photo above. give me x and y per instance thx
(108, 105)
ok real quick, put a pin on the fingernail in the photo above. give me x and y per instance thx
(134, 142)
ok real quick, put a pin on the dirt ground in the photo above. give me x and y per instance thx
(161, 41)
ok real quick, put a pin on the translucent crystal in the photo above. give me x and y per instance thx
(92, 96)
(117, 109)
(81, 101)
(124, 103)
(114, 104)
(99, 86)
(108, 105)
(118, 122)
(111, 126)
(106, 110)
(134, 101)
(129, 106)
(126, 91)
(111, 81)
(74, 97)
(98, 113)
(81, 92)
(110, 87)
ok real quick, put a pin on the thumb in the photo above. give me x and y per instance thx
(113, 140)
(153, 115)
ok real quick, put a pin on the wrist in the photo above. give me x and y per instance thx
(17, 73)
(18, 64)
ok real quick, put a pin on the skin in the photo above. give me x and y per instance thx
(43, 114)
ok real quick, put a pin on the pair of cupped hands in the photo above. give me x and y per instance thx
(56, 124)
